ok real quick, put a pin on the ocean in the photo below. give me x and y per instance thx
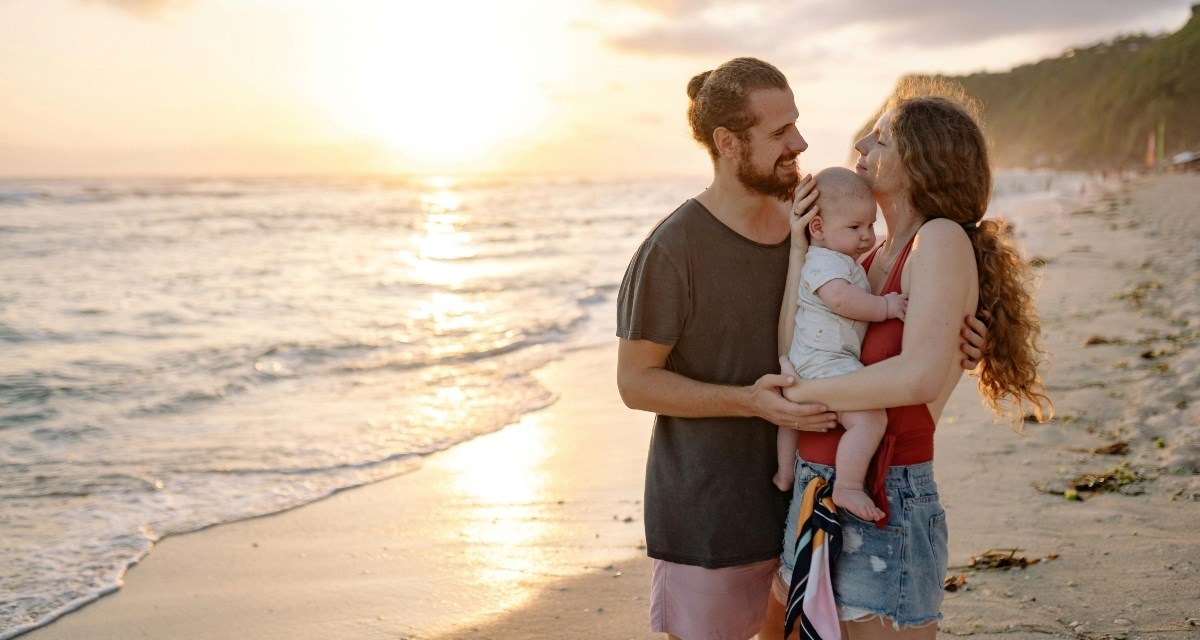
(181, 353)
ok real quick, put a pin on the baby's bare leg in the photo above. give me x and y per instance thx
(864, 430)
(785, 448)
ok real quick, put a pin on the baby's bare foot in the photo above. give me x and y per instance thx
(784, 480)
(856, 501)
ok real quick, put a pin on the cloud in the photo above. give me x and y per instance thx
(673, 8)
(691, 37)
(701, 27)
(954, 23)
(141, 8)
(701, 35)
(704, 28)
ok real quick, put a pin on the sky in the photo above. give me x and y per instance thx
(441, 87)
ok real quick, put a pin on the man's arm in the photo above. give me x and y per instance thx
(646, 384)
(787, 312)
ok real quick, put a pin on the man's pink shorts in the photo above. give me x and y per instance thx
(694, 603)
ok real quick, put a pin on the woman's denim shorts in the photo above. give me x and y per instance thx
(896, 572)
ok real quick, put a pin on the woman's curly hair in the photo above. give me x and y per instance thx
(943, 149)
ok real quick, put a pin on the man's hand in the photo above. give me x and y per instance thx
(804, 209)
(770, 404)
(975, 334)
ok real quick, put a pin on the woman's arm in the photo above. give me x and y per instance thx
(942, 285)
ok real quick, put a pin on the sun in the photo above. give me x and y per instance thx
(439, 88)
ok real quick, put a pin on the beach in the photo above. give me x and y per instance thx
(535, 531)
(477, 532)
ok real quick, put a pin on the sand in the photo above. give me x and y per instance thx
(1119, 306)
(535, 531)
(479, 530)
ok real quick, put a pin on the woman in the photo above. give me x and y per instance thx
(927, 165)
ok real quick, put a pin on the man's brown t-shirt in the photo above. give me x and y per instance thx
(714, 296)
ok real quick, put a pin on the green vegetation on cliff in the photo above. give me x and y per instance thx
(1093, 108)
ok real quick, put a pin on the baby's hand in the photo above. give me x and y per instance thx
(897, 304)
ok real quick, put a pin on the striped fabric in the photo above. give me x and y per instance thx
(818, 542)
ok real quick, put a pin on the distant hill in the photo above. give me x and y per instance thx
(1093, 107)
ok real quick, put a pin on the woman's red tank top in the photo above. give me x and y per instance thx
(909, 435)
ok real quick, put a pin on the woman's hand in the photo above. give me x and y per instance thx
(804, 209)
(975, 333)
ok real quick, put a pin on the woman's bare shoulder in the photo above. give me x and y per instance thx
(942, 238)
(942, 228)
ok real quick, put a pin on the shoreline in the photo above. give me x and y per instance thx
(473, 533)
(535, 531)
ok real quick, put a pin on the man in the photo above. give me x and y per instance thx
(697, 318)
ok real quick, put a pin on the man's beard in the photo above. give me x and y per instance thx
(769, 183)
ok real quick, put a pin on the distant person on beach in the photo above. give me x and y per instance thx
(926, 162)
(698, 315)
(833, 304)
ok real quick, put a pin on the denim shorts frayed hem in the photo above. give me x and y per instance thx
(896, 572)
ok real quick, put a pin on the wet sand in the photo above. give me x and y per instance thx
(480, 530)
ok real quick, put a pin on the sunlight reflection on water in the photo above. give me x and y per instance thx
(249, 346)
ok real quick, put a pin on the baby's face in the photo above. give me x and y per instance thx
(849, 225)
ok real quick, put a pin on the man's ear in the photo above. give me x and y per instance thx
(726, 142)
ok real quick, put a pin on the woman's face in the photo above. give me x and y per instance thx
(879, 160)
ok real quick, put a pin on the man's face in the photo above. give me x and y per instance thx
(768, 159)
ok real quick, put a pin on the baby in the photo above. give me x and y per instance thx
(833, 306)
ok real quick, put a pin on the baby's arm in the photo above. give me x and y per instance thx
(849, 301)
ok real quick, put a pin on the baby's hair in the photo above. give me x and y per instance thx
(836, 183)
(840, 182)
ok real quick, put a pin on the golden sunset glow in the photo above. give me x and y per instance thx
(579, 87)
(434, 88)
